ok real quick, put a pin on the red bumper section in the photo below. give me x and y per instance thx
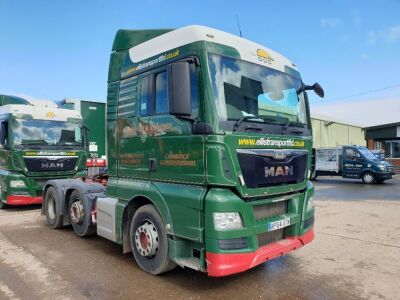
(219, 265)
(23, 200)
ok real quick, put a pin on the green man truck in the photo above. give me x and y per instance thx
(37, 143)
(209, 140)
(94, 117)
(354, 162)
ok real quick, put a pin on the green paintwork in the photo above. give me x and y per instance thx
(94, 117)
(186, 194)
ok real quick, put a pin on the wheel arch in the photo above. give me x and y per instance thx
(368, 171)
(134, 204)
(64, 189)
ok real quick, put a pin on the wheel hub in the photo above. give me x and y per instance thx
(368, 178)
(77, 212)
(146, 239)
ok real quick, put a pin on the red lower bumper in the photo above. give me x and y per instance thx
(23, 200)
(231, 263)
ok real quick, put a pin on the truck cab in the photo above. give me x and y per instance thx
(209, 148)
(37, 143)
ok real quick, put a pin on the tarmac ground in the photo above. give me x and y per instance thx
(355, 255)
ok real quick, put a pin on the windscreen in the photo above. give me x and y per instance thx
(367, 154)
(258, 93)
(46, 133)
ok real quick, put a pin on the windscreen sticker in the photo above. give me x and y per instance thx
(271, 142)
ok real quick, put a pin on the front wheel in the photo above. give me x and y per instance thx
(149, 241)
(368, 177)
(51, 203)
(3, 205)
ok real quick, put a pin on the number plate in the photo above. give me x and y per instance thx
(278, 224)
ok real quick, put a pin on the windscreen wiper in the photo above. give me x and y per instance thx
(244, 118)
(37, 146)
(69, 145)
(293, 124)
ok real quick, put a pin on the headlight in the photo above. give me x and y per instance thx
(227, 220)
(17, 183)
(310, 203)
(382, 167)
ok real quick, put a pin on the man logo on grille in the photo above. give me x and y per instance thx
(278, 171)
(52, 165)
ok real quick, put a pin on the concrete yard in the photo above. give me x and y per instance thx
(355, 255)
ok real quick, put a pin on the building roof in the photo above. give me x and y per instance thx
(383, 126)
(332, 119)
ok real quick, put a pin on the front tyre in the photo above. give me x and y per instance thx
(3, 205)
(149, 241)
(368, 177)
(51, 203)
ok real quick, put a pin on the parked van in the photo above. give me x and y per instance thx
(354, 162)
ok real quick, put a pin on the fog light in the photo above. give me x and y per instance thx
(310, 203)
(17, 183)
(227, 220)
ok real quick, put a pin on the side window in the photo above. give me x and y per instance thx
(161, 99)
(350, 154)
(144, 96)
(194, 91)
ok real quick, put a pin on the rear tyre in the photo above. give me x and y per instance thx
(80, 215)
(368, 177)
(149, 241)
(51, 203)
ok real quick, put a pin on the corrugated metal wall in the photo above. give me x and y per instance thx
(330, 134)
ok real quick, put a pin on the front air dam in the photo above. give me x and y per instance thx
(219, 264)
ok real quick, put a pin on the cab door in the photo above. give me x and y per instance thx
(352, 163)
(176, 155)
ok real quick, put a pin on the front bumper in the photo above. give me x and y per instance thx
(384, 176)
(16, 200)
(223, 264)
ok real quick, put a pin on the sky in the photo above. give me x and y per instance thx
(60, 49)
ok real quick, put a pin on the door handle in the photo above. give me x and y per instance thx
(152, 164)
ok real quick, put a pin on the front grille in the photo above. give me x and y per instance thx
(270, 210)
(270, 237)
(48, 164)
(271, 167)
(232, 244)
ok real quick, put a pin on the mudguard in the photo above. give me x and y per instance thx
(89, 191)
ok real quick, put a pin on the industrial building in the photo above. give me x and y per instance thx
(385, 137)
(332, 132)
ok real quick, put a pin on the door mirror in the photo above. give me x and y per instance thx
(3, 132)
(318, 89)
(180, 97)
